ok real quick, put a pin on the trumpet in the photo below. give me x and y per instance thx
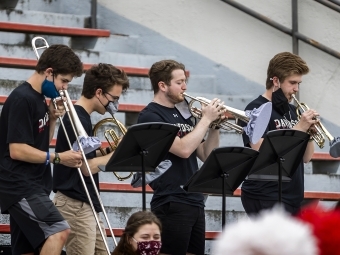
(321, 131)
(239, 115)
(254, 131)
(113, 137)
(79, 133)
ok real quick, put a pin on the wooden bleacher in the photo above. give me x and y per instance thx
(25, 63)
(209, 235)
(52, 30)
(118, 232)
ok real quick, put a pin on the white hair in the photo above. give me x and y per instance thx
(272, 233)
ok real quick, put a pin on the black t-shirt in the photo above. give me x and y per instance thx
(292, 192)
(67, 179)
(24, 119)
(167, 188)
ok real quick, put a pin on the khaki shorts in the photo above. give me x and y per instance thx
(85, 237)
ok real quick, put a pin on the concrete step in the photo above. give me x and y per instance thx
(7, 38)
(43, 18)
(60, 6)
(89, 56)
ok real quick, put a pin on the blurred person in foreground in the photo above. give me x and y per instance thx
(272, 232)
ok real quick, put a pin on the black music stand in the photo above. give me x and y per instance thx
(142, 148)
(281, 153)
(223, 171)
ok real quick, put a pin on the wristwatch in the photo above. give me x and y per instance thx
(56, 159)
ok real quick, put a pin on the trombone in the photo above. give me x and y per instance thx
(79, 131)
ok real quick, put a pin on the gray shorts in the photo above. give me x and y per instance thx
(32, 221)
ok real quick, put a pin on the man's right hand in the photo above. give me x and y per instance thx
(214, 110)
(71, 158)
(307, 120)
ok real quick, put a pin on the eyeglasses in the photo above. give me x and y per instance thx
(114, 98)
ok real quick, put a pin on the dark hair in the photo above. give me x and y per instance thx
(133, 224)
(103, 76)
(283, 65)
(61, 59)
(162, 71)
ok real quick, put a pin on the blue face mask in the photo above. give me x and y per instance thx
(49, 90)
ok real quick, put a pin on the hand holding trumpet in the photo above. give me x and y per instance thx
(214, 111)
(307, 121)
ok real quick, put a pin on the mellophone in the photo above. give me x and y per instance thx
(256, 123)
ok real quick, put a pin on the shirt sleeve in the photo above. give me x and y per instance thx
(148, 116)
(20, 126)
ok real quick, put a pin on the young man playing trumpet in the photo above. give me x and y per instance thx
(181, 213)
(27, 126)
(284, 76)
(103, 85)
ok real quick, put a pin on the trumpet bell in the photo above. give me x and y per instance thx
(321, 132)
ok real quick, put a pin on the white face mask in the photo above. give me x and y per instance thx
(112, 107)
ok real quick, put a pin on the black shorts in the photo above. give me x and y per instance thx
(254, 206)
(183, 228)
(32, 221)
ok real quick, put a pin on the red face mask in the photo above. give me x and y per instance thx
(148, 247)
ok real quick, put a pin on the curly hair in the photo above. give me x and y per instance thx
(133, 224)
(103, 76)
(61, 59)
(283, 65)
(162, 71)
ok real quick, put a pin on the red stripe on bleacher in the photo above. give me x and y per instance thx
(121, 187)
(53, 30)
(118, 232)
(31, 63)
(126, 187)
(122, 107)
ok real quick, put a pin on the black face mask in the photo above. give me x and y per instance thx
(280, 102)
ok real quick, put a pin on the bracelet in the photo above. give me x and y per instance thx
(108, 150)
(47, 158)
